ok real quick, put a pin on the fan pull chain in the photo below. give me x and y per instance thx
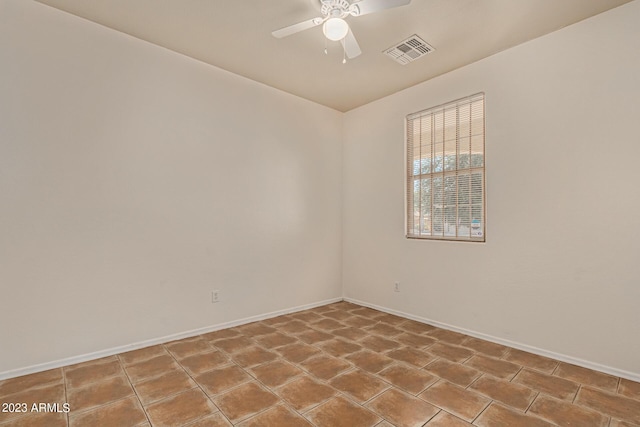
(344, 55)
(325, 46)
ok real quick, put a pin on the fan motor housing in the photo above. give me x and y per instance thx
(335, 8)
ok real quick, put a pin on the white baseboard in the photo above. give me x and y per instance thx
(160, 340)
(557, 356)
(187, 334)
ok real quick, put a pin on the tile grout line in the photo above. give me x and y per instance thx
(482, 412)
(135, 392)
(92, 383)
(194, 380)
(532, 401)
(573, 401)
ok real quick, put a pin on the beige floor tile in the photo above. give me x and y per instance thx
(275, 340)
(278, 320)
(245, 401)
(294, 327)
(617, 406)
(278, 416)
(337, 315)
(256, 329)
(444, 419)
(629, 389)
(415, 340)
(497, 368)
(339, 347)
(402, 410)
(456, 400)
(221, 334)
(38, 419)
(345, 306)
(618, 423)
(253, 356)
(84, 374)
(497, 416)
(25, 382)
(359, 385)
(350, 333)
(164, 386)
(358, 321)
(297, 352)
(370, 361)
(391, 319)
(412, 356)
(323, 308)
(306, 316)
(587, 377)
(181, 408)
(453, 372)
(202, 362)
(213, 420)
(416, 327)
(187, 347)
(384, 330)
(340, 412)
(154, 367)
(451, 352)
(510, 394)
(125, 412)
(378, 344)
(566, 414)
(49, 394)
(449, 337)
(99, 393)
(325, 367)
(327, 325)
(304, 393)
(312, 336)
(276, 373)
(233, 344)
(408, 379)
(222, 379)
(485, 347)
(367, 312)
(553, 386)
(530, 360)
(142, 354)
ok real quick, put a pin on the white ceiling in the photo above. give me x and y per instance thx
(236, 35)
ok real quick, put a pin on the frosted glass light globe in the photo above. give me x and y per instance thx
(335, 29)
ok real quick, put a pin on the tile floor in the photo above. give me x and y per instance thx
(335, 365)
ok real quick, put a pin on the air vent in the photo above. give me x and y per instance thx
(409, 50)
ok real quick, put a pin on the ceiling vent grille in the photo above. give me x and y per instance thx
(409, 50)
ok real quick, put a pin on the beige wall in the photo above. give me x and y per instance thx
(134, 181)
(559, 271)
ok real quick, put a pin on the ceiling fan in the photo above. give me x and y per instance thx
(333, 22)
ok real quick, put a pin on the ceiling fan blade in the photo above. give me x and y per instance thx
(370, 6)
(350, 45)
(296, 28)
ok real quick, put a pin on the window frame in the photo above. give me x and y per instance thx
(411, 176)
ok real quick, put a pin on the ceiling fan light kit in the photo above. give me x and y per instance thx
(334, 25)
(335, 29)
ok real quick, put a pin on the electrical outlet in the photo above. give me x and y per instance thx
(396, 286)
(215, 296)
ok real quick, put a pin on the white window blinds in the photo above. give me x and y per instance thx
(445, 171)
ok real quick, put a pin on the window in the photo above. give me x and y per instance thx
(445, 171)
